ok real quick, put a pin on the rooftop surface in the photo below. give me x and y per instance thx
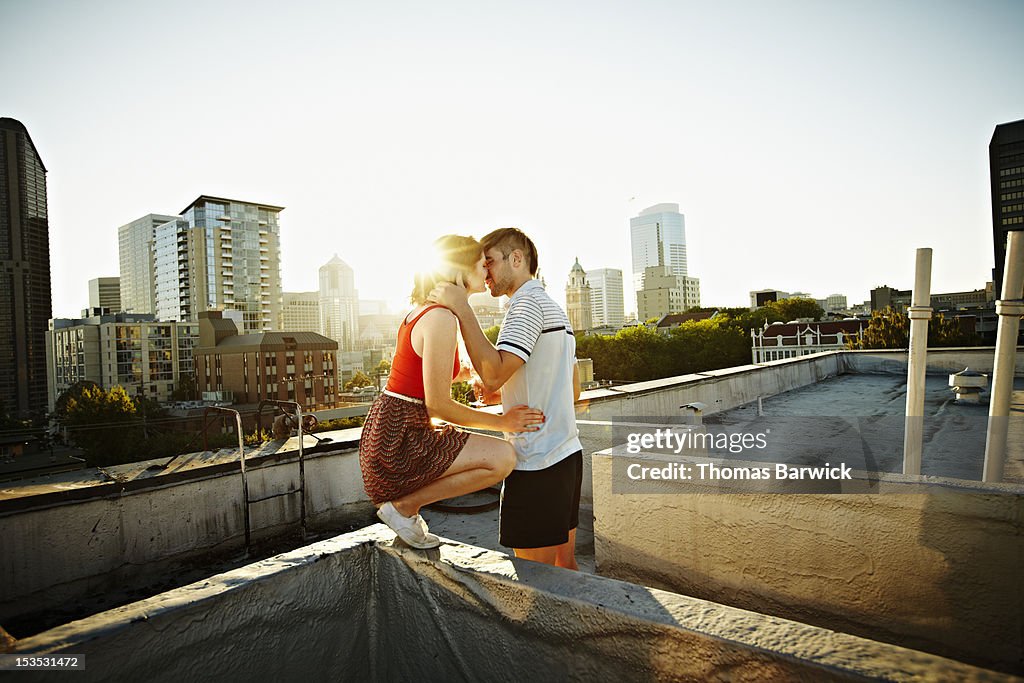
(859, 419)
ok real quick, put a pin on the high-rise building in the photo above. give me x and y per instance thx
(658, 238)
(339, 303)
(607, 304)
(171, 271)
(105, 292)
(577, 299)
(135, 256)
(300, 312)
(234, 260)
(1006, 173)
(24, 273)
(665, 293)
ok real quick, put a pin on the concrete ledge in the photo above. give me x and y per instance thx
(931, 564)
(358, 608)
(68, 541)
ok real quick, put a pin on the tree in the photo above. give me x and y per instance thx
(492, 333)
(359, 380)
(890, 329)
(106, 424)
(794, 308)
(187, 389)
(75, 391)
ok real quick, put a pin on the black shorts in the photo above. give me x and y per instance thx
(538, 508)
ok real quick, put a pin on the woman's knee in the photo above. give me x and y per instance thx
(506, 460)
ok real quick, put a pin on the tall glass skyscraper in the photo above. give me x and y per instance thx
(234, 260)
(219, 254)
(339, 303)
(658, 238)
(24, 273)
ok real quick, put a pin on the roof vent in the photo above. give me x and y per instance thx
(968, 385)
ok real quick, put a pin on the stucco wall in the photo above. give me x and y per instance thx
(718, 389)
(358, 608)
(940, 361)
(122, 536)
(937, 569)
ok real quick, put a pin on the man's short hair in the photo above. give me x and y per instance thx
(507, 240)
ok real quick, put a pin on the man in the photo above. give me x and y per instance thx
(533, 363)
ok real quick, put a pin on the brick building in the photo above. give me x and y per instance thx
(286, 366)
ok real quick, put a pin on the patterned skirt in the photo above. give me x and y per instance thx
(400, 451)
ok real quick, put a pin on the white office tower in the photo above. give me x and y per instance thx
(135, 256)
(339, 304)
(172, 278)
(607, 303)
(658, 238)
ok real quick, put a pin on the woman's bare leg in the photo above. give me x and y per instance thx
(482, 462)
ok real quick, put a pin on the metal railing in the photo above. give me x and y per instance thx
(301, 490)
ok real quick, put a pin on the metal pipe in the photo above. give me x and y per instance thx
(1010, 308)
(241, 460)
(302, 473)
(920, 313)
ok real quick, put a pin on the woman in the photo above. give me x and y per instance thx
(406, 461)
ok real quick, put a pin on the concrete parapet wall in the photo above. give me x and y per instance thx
(66, 544)
(718, 389)
(937, 568)
(357, 608)
(940, 361)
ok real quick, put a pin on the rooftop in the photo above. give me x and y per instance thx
(148, 529)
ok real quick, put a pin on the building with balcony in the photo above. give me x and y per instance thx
(234, 260)
(218, 255)
(145, 356)
(137, 279)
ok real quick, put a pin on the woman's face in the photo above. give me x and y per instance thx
(474, 279)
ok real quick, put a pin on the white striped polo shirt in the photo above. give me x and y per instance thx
(537, 330)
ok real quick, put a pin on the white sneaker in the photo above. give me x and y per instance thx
(408, 529)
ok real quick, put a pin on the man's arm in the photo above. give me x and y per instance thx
(493, 366)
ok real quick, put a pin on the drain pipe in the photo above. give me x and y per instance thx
(1010, 308)
(920, 313)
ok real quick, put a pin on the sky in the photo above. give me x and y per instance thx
(812, 146)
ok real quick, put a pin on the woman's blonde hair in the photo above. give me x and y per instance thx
(455, 256)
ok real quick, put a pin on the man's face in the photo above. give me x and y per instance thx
(499, 272)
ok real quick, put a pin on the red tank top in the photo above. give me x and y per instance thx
(407, 366)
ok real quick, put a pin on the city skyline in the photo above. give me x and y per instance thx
(810, 147)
